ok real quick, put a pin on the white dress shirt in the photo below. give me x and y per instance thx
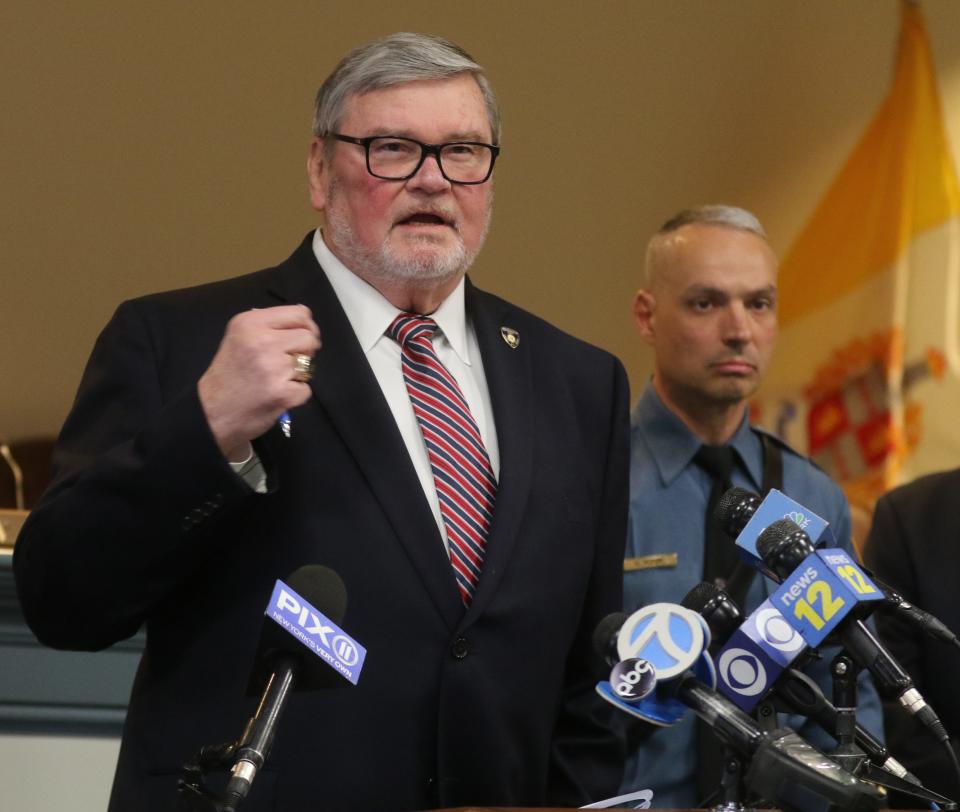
(370, 315)
(455, 342)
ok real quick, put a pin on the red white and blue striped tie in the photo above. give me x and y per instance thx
(461, 468)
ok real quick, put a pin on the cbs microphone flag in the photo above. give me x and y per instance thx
(867, 372)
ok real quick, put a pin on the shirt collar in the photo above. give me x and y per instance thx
(672, 445)
(370, 314)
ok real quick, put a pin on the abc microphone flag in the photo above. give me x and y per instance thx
(664, 641)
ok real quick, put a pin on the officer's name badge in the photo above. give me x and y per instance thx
(650, 562)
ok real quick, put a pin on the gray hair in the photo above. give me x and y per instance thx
(711, 214)
(715, 214)
(395, 60)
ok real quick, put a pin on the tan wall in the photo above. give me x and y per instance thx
(148, 146)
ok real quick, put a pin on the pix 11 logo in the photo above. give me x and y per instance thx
(316, 631)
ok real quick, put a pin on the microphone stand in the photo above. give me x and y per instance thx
(844, 672)
(846, 754)
(731, 783)
(193, 794)
(244, 757)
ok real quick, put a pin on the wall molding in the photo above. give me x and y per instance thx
(51, 692)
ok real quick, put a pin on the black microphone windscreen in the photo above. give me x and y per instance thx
(715, 606)
(735, 508)
(783, 545)
(700, 596)
(605, 636)
(322, 587)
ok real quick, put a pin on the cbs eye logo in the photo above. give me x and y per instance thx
(742, 671)
(774, 629)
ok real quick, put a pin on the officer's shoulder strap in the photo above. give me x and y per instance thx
(773, 448)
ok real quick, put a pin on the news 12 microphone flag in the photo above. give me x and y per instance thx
(866, 376)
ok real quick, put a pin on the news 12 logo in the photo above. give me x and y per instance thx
(316, 631)
(821, 592)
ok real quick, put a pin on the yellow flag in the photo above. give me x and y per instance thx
(867, 372)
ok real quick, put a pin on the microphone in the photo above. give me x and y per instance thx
(750, 654)
(665, 636)
(802, 695)
(743, 516)
(822, 602)
(736, 510)
(926, 622)
(760, 661)
(784, 769)
(288, 666)
(716, 607)
(673, 639)
(605, 637)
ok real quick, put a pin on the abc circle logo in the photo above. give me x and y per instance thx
(774, 629)
(633, 679)
(742, 671)
(345, 650)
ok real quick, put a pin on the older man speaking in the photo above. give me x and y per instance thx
(460, 463)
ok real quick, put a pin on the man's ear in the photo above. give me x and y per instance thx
(644, 306)
(317, 171)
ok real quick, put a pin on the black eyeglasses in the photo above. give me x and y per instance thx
(391, 157)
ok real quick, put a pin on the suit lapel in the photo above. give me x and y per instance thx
(509, 379)
(345, 387)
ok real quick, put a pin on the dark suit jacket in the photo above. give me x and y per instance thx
(914, 546)
(147, 523)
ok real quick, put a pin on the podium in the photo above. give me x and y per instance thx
(10, 523)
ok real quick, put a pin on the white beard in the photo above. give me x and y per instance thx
(422, 268)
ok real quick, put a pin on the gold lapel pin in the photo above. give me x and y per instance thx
(511, 336)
